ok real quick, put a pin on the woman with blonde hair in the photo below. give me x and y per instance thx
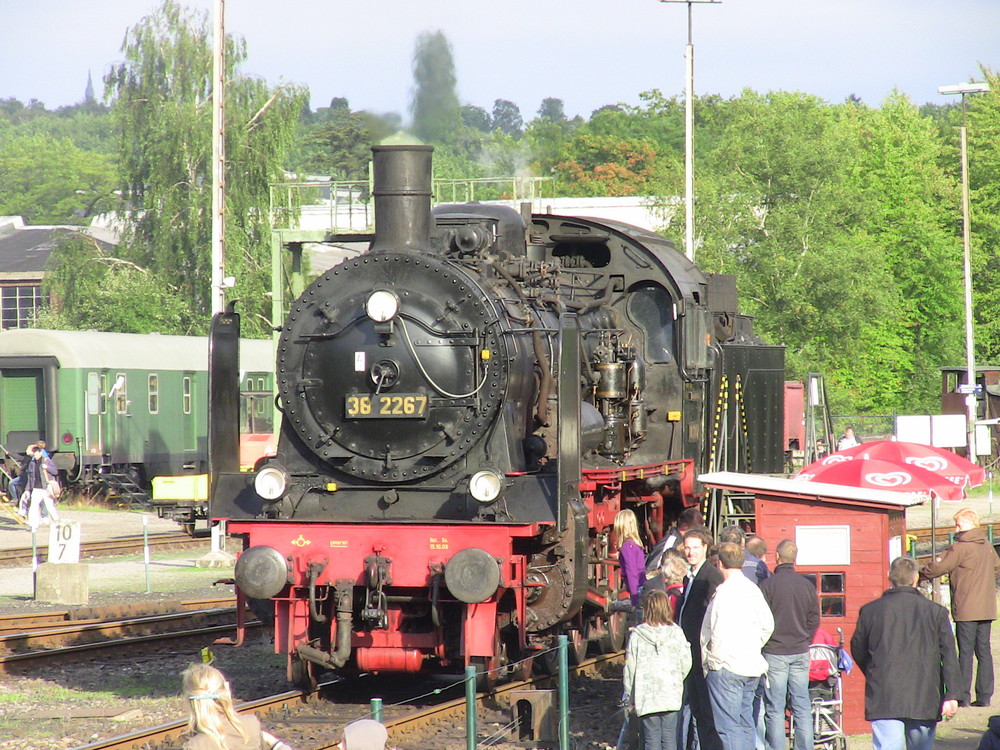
(213, 719)
(631, 554)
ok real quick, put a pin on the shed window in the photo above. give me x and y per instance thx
(832, 589)
(154, 394)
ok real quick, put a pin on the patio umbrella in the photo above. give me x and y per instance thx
(876, 474)
(950, 465)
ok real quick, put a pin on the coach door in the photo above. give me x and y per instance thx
(22, 407)
(188, 412)
(97, 405)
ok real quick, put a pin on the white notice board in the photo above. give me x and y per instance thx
(823, 545)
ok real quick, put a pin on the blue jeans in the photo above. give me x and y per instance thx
(903, 734)
(788, 685)
(659, 731)
(731, 696)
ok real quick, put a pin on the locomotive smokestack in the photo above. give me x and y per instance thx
(402, 190)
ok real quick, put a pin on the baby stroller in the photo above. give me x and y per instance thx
(828, 662)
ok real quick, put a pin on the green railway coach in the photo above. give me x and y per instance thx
(112, 406)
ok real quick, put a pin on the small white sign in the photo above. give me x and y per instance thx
(823, 545)
(64, 542)
(359, 362)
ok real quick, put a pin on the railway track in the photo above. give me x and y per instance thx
(21, 556)
(287, 705)
(79, 639)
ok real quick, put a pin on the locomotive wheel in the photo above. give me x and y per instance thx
(188, 527)
(576, 652)
(303, 673)
(615, 630)
(577, 647)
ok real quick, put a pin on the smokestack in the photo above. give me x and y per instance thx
(402, 190)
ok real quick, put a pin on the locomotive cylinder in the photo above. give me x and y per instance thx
(402, 192)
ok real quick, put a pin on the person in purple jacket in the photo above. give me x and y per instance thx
(631, 554)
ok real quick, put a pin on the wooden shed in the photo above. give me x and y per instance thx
(846, 537)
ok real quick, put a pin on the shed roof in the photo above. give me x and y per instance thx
(98, 350)
(804, 490)
(24, 250)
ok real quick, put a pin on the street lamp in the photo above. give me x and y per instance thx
(689, 131)
(970, 362)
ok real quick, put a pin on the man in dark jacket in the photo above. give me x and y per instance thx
(699, 588)
(904, 646)
(795, 605)
(972, 565)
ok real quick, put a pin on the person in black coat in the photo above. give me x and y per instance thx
(698, 591)
(904, 646)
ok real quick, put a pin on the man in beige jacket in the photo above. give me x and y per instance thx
(972, 565)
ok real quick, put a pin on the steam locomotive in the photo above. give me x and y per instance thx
(466, 407)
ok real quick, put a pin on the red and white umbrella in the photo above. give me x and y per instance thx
(873, 473)
(952, 466)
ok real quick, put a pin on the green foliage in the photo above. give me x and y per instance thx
(90, 290)
(831, 217)
(434, 107)
(507, 118)
(161, 98)
(48, 180)
(984, 206)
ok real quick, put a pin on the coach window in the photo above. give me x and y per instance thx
(121, 393)
(154, 394)
(187, 395)
(103, 393)
(652, 309)
(93, 393)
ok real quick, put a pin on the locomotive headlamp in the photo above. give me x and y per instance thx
(270, 483)
(485, 485)
(382, 306)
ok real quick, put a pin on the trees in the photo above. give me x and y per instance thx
(507, 118)
(833, 219)
(160, 95)
(434, 107)
(48, 180)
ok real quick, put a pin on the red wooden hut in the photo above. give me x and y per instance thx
(846, 537)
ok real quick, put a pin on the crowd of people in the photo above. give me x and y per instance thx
(721, 658)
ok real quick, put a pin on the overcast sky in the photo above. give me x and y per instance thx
(585, 52)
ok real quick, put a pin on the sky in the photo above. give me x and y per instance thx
(585, 52)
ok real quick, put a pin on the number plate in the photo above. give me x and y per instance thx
(386, 406)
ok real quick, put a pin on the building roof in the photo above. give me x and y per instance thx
(804, 490)
(25, 249)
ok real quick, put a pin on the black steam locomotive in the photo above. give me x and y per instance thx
(466, 407)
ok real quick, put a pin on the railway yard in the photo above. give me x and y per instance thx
(106, 675)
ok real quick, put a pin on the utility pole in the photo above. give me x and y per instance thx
(219, 159)
(689, 128)
(970, 354)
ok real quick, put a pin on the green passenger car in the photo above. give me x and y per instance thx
(115, 404)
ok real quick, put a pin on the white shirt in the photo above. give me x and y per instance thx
(847, 442)
(736, 626)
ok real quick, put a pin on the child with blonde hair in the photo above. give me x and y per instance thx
(213, 719)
